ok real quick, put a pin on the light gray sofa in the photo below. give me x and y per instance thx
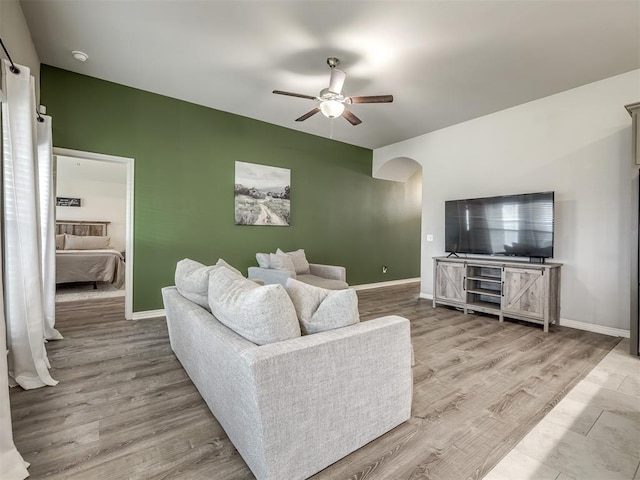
(332, 277)
(294, 407)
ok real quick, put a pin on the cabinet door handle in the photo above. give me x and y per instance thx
(464, 283)
(502, 289)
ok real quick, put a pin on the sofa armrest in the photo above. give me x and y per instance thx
(328, 271)
(270, 275)
(323, 396)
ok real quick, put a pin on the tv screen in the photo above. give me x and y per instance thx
(516, 225)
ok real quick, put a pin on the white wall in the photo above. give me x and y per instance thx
(576, 143)
(17, 38)
(102, 188)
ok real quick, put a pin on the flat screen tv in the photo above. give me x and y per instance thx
(515, 225)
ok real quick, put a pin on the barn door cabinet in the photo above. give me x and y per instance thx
(519, 290)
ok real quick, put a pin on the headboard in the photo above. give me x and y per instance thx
(82, 228)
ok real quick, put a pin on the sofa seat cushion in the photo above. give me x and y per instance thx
(319, 309)
(327, 283)
(262, 315)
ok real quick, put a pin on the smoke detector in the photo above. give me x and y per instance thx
(80, 56)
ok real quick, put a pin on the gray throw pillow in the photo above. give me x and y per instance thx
(262, 315)
(281, 262)
(192, 281)
(299, 259)
(263, 260)
(319, 309)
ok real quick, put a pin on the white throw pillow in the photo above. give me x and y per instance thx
(60, 241)
(299, 259)
(192, 281)
(263, 260)
(320, 309)
(222, 263)
(281, 262)
(77, 242)
(262, 315)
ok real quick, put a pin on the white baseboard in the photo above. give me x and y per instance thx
(590, 327)
(144, 315)
(565, 322)
(366, 286)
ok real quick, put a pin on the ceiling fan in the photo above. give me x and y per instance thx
(331, 102)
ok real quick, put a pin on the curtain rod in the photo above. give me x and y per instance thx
(16, 70)
(13, 67)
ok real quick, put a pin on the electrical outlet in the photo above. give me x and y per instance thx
(384, 269)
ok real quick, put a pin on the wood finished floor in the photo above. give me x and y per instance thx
(125, 409)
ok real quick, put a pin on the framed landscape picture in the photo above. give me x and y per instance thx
(262, 195)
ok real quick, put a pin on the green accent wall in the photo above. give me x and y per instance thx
(184, 180)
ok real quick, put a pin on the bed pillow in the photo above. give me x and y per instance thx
(299, 259)
(222, 263)
(77, 242)
(319, 309)
(60, 242)
(262, 315)
(192, 281)
(281, 262)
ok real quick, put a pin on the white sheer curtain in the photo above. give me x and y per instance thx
(12, 466)
(47, 227)
(23, 279)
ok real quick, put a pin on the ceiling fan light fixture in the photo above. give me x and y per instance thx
(331, 108)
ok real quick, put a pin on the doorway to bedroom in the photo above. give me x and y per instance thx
(94, 218)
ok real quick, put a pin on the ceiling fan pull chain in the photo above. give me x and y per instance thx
(331, 129)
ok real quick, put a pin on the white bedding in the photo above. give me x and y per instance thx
(104, 265)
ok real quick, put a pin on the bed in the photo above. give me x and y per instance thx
(83, 254)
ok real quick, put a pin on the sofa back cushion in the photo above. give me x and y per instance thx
(261, 314)
(319, 309)
(192, 281)
(299, 259)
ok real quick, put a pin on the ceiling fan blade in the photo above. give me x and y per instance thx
(290, 94)
(307, 115)
(372, 99)
(350, 117)
(336, 82)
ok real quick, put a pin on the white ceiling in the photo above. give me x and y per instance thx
(81, 169)
(444, 61)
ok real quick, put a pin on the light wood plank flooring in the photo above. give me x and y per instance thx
(592, 433)
(125, 409)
